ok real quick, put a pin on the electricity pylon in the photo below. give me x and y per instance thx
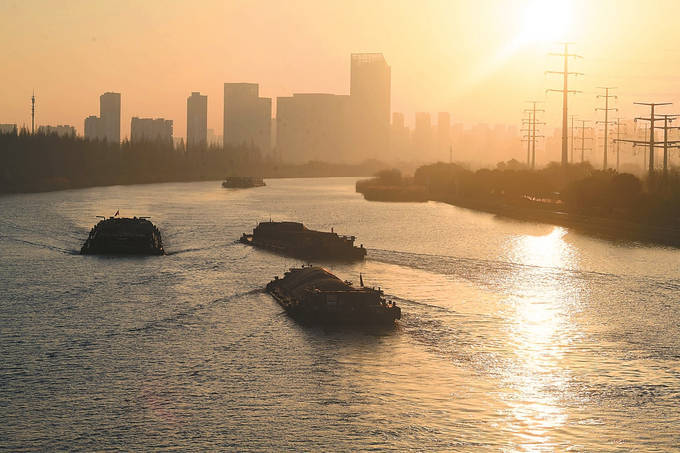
(606, 122)
(571, 159)
(533, 111)
(527, 138)
(652, 120)
(584, 138)
(565, 91)
(33, 113)
(666, 143)
(617, 140)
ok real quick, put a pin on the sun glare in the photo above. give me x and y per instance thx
(546, 21)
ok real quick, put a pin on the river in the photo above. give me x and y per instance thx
(515, 336)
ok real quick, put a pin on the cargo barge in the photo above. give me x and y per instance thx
(123, 236)
(242, 182)
(314, 295)
(294, 239)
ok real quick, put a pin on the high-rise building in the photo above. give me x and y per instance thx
(443, 135)
(247, 116)
(312, 126)
(370, 85)
(399, 138)
(109, 113)
(197, 121)
(158, 130)
(93, 130)
(422, 136)
(60, 130)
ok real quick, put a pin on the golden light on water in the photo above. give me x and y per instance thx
(538, 331)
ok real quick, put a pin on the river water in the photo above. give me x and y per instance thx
(515, 336)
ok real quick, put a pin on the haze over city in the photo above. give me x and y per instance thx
(340, 225)
(480, 61)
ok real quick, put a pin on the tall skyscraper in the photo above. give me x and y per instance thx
(370, 88)
(197, 121)
(109, 112)
(247, 117)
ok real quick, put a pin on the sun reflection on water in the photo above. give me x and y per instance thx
(538, 332)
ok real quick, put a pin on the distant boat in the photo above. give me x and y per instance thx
(123, 236)
(294, 239)
(242, 182)
(313, 294)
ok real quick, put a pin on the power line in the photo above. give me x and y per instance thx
(565, 91)
(571, 159)
(606, 122)
(533, 111)
(652, 120)
(584, 138)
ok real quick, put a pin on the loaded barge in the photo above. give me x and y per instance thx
(242, 182)
(313, 294)
(294, 239)
(123, 236)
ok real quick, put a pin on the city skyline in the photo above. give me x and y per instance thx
(433, 60)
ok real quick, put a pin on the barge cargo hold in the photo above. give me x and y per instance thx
(294, 239)
(312, 294)
(123, 236)
(242, 182)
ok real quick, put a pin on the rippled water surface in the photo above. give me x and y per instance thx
(515, 336)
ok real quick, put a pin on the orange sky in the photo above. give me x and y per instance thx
(479, 59)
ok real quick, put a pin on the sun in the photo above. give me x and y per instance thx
(546, 21)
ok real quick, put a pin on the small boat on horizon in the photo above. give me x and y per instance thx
(242, 182)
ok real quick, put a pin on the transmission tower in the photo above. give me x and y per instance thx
(526, 123)
(33, 113)
(666, 143)
(652, 121)
(565, 91)
(571, 159)
(532, 112)
(606, 121)
(584, 138)
(617, 141)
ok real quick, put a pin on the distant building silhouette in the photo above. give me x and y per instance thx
(93, 130)
(312, 126)
(109, 113)
(443, 135)
(247, 117)
(197, 121)
(400, 138)
(8, 128)
(60, 130)
(107, 125)
(370, 92)
(157, 130)
(422, 136)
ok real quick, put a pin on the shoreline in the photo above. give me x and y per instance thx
(58, 188)
(603, 227)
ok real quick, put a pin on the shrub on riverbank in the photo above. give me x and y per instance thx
(578, 189)
(39, 162)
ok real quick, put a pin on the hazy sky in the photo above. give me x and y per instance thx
(479, 59)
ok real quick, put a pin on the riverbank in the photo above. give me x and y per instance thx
(554, 213)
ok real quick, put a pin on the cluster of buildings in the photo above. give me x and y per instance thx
(337, 128)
